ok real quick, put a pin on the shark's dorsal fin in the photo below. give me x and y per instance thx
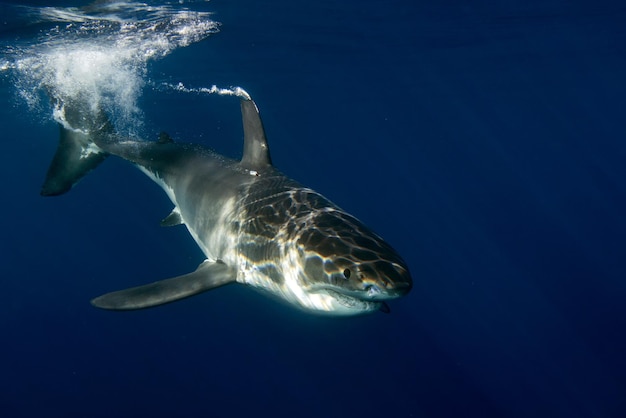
(256, 152)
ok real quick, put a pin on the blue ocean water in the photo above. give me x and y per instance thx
(483, 140)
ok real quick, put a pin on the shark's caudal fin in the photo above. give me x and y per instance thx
(77, 154)
(256, 152)
(207, 276)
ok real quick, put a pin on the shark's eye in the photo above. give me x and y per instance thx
(346, 273)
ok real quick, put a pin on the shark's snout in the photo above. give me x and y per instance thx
(384, 280)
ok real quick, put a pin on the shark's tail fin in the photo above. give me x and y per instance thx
(77, 153)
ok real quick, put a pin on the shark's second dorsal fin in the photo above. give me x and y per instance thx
(164, 138)
(256, 152)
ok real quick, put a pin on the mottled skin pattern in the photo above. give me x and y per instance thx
(335, 253)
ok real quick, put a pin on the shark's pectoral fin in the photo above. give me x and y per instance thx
(173, 218)
(207, 276)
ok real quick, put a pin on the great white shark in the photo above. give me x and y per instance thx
(256, 226)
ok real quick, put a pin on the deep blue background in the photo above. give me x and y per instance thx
(485, 140)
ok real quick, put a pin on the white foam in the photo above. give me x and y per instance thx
(98, 55)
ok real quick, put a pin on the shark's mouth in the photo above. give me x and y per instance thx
(355, 303)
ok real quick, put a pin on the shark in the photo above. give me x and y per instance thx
(256, 226)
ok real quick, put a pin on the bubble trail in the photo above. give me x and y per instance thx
(232, 91)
